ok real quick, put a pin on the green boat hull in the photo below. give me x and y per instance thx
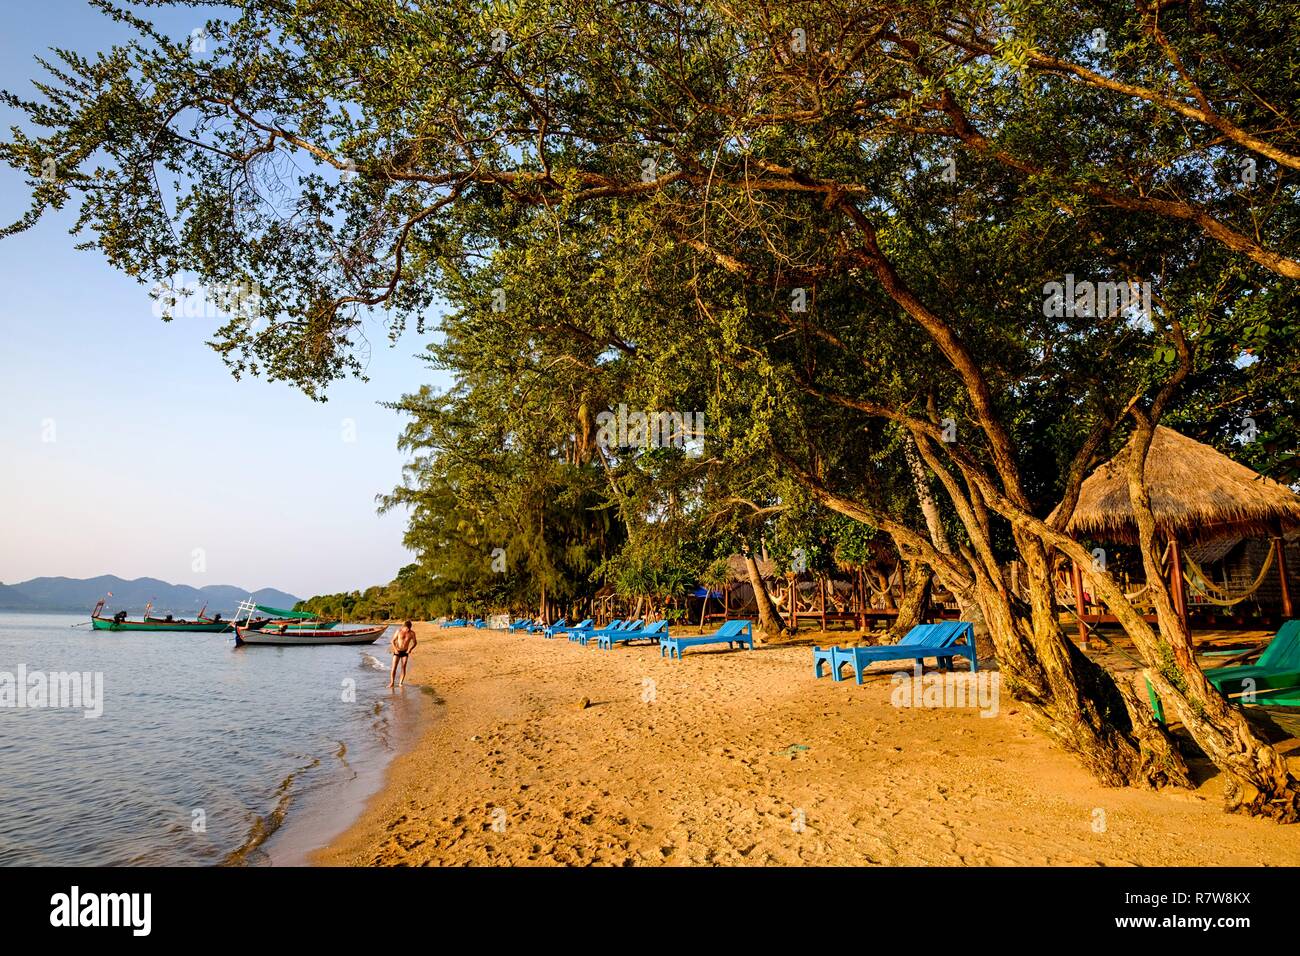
(212, 627)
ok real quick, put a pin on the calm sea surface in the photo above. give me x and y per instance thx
(204, 754)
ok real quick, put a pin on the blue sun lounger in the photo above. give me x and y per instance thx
(925, 640)
(731, 633)
(519, 625)
(563, 628)
(459, 622)
(542, 628)
(580, 633)
(613, 627)
(657, 631)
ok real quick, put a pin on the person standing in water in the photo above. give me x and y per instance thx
(401, 646)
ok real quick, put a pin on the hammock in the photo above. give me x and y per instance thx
(889, 584)
(1130, 596)
(1200, 582)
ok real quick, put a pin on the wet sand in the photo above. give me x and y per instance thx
(699, 761)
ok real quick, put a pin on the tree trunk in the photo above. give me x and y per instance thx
(1259, 782)
(770, 623)
(1068, 695)
(1073, 700)
(925, 498)
(917, 582)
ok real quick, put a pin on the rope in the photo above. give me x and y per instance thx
(1095, 632)
(1200, 582)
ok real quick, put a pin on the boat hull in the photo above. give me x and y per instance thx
(192, 627)
(301, 638)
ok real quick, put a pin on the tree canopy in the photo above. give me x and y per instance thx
(868, 273)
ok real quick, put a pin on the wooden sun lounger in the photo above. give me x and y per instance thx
(568, 628)
(657, 631)
(732, 633)
(616, 627)
(1273, 679)
(925, 640)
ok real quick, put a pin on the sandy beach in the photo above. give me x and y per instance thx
(743, 758)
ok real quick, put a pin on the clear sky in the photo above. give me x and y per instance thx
(125, 445)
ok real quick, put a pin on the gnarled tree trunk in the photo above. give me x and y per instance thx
(770, 622)
(1258, 778)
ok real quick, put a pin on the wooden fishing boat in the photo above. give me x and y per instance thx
(284, 636)
(295, 620)
(312, 625)
(159, 626)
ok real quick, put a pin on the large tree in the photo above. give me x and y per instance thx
(836, 223)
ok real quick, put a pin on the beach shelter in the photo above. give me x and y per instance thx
(1198, 494)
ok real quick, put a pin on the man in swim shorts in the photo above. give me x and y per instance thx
(401, 646)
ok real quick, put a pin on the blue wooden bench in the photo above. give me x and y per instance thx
(563, 628)
(731, 633)
(585, 634)
(617, 627)
(657, 631)
(613, 627)
(925, 640)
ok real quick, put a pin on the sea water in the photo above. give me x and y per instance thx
(203, 753)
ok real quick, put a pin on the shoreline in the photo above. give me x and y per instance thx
(314, 818)
(743, 758)
(328, 813)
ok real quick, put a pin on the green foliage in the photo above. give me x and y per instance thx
(675, 207)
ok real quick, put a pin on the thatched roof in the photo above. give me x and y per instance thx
(1197, 493)
(736, 570)
(1214, 550)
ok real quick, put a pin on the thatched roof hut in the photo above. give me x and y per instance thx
(737, 572)
(1197, 494)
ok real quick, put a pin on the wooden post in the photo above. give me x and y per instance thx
(860, 586)
(821, 589)
(1176, 581)
(794, 604)
(1077, 581)
(1287, 610)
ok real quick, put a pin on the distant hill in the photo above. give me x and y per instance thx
(80, 594)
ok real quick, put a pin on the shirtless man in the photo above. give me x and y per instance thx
(400, 646)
